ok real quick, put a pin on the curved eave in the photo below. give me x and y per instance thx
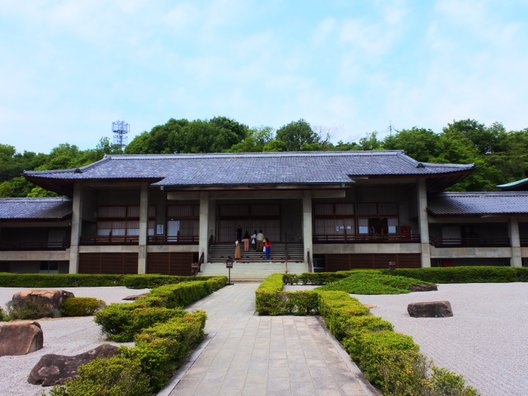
(439, 182)
(65, 186)
(436, 182)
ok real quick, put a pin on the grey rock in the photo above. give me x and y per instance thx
(56, 369)
(431, 309)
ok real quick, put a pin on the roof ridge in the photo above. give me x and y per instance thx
(257, 154)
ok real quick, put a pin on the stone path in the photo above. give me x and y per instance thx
(247, 354)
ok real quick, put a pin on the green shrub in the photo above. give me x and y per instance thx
(373, 350)
(150, 281)
(271, 300)
(464, 274)
(182, 294)
(81, 306)
(120, 322)
(446, 383)
(315, 278)
(161, 348)
(115, 376)
(336, 307)
(373, 283)
(8, 279)
(143, 281)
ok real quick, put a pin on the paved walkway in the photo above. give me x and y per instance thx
(247, 354)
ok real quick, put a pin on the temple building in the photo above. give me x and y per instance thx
(179, 214)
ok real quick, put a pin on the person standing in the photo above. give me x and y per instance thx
(237, 250)
(254, 240)
(239, 233)
(267, 248)
(260, 239)
(245, 241)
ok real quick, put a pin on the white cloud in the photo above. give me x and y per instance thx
(324, 30)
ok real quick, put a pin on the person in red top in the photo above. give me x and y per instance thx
(267, 248)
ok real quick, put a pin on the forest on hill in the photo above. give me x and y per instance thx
(500, 156)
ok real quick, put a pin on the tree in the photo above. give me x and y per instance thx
(297, 135)
(255, 141)
(418, 143)
(484, 139)
(370, 142)
(199, 136)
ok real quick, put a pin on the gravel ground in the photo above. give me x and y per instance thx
(486, 340)
(63, 336)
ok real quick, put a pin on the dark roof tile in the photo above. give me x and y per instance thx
(479, 203)
(251, 168)
(34, 208)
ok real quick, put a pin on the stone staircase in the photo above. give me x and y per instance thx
(253, 265)
(291, 252)
(243, 271)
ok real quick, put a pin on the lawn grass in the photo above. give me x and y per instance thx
(371, 282)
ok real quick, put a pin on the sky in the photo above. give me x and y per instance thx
(68, 69)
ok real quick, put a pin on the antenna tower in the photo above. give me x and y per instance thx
(391, 128)
(120, 130)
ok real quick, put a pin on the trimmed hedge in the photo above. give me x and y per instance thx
(81, 306)
(271, 300)
(121, 321)
(9, 279)
(315, 278)
(161, 348)
(464, 274)
(150, 281)
(3, 315)
(145, 281)
(113, 376)
(182, 294)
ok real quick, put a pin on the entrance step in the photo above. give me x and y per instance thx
(219, 252)
(243, 271)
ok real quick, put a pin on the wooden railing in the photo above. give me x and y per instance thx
(359, 238)
(173, 240)
(471, 242)
(34, 245)
(110, 240)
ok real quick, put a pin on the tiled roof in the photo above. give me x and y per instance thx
(251, 168)
(34, 208)
(479, 203)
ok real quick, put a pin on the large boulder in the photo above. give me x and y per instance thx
(56, 369)
(34, 304)
(20, 337)
(432, 309)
